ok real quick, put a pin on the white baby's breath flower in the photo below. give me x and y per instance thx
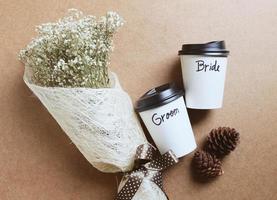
(73, 52)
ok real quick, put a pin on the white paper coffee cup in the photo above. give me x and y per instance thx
(204, 71)
(164, 114)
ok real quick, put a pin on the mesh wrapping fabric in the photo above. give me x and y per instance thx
(100, 122)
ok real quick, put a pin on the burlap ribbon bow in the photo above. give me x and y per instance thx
(146, 166)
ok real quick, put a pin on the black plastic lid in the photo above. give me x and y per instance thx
(215, 48)
(158, 96)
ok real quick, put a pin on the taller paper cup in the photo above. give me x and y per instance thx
(164, 114)
(204, 70)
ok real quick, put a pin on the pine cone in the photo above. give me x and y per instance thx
(207, 165)
(222, 141)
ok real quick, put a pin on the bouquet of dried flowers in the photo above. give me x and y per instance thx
(66, 66)
(73, 52)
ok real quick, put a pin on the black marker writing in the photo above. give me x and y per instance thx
(202, 66)
(159, 119)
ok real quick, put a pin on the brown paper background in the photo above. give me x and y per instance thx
(38, 161)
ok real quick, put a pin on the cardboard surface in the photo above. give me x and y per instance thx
(37, 160)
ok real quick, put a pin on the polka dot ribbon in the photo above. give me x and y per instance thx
(147, 166)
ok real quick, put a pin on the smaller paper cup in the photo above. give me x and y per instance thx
(204, 71)
(164, 114)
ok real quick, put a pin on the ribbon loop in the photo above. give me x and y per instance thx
(144, 154)
(146, 167)
(166, 160)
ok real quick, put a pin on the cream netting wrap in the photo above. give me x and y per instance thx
(100, 122)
